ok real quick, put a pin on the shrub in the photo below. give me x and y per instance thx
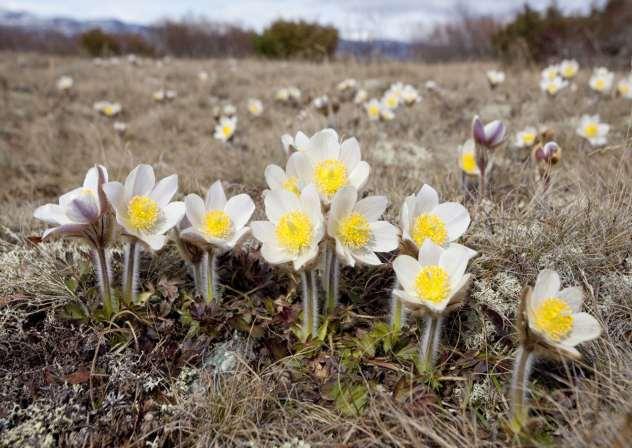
(286, 39)
(98, 43)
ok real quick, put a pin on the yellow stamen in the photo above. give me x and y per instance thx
(432, 284)
(551, 88)
(468, 163)
(554, 318)
(569, 72)
(528, 138)
(108, 110)
(600, 84)
(591, 130)
(354, 231)
(430, 226)
(291, 185)
(373, 111)
(392, 101)
(217, 224)
(624, 88)
(143, 213)
(294, 231)
(330, 176)
(227, 130)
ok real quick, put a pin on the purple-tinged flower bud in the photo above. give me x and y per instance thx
(490, 135)
(549, 153)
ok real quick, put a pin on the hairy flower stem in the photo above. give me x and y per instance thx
(130, 276)
(430, 341)
(211, 275)
(332, 275)
(519, 387)
(398, 315)
(196, 267)
(482, 160)
(104, 278)
(309, 283)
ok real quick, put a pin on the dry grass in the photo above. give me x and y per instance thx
(150, 383)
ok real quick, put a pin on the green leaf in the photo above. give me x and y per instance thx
(352, 400)
(75, 311)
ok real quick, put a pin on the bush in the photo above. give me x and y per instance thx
(98, 43)
(286, 40)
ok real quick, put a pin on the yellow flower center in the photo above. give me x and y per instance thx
(330, 176)
(468, 163)
(591, 130)
(108, 110)
(600, 84)
(294, 231)
(227, 130)
(528, 138)
(624, 88)
(217, 224)
(432, 284)
(373, 111)
(429, 226)
(554, 318)
(551, 88)
(569, 71)
(291, 185)
(392, 101)
(143, 213)
(354, 231)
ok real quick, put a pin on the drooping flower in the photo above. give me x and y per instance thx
(569, 68)
(435, 280)
(331, 165)
(299, 143)
(65, 83)
(107, 108)
(495, 77)
(255, 107)
(624, 88)
(225, 130)
(526, 138)
(553, 86)
(467, 158)
(216, 221)
(142, 206)
(490, 135)
(593, 130)
(550, 73)
(601, 80)
(423, 218)
(288, 179)
(357, 230)
(550, 153)
(294, 228)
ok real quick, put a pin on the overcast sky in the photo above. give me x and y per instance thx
(392, 19)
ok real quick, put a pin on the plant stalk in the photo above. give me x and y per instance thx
(104, 278)
(211, 275)
(309, 284)
(132, 256)
(519, 388)
(332, 275)
(429, 343)
(397, 316)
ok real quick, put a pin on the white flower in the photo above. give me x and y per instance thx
(347, 84)
(601, 80)
(410, 95)
(356, 228)
(431, 85)
(550, 73)
(373, 109)
(360, 96)
(391, 98)
(321, 102)
(467, 158)
(217, 221)
(120, 127)
(526, 137)
(255, 107)
(386, 114)
(294, 93)
(624, 87)
(78, 208)
(423, 218)
(282, 94)
(288, 180)
(229, 110)
(142, 206)
(556, 315)
(294, 228)
(203, 76)
(225, 130)
(298, 143)
(569, 68)
(591, 128)
(159, 95)
(495, 77)
(552, 86)
(435, 278)
(331, 165)
(65, 83)
(107, 108)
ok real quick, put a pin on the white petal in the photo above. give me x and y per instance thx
(240, 209)
(585, 328)
(115, 192)
(275, 176)
(454, 260)
(155, 242)
(311, 204)
(91, 180)
(372, 207)
(279, 202)
(547, 285)
(172, 214)
(263, 231)
(301, 141)
(305, 257)
(344, 255)
(341, 207)
(360, 175)
(193, 236)
(300, 166)
(367, 257)
(164, 190)
(385, 237)
(215, 197)
(51, 214)
(425, 201)
(140, 181)
(430, 253)
(237, 237)
(323, 146)
(406, 268)
(194, 209)
(573, 296)
(350, 153)
(455, 217)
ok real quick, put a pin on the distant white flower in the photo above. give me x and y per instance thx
(294, 228)
(65, 83)
(162, 95)
(107, 108)
(298, 143)
(120, 127)
(347, 84)
(294, 93)
(569, 68)
(391, 99)
(373, 109)
(357, 230)
(142, 206)
(203, 76)
(467, 158)
(225, 130)
(526, 137)
(431, 85)
(424, 218)
(410, 95)
(360, 96)
(591, 128)
(386, 113)
(553, 86)
(255, 107)
(321, 102)
(217, 221)
(229, 110)
(282, 94)
(624, 87)
(495, 77)
(550, 73)
(601, 80)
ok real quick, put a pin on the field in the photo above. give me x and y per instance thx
(239, 376)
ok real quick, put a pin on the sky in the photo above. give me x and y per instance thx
(356, 19)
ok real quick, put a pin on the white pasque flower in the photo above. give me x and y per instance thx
(433, 280)
(217, 221)
(203, 76)
(553, 86)
(624, 87)
(255, 106)
(386, 114)
(321, 102)
(282, 94)
(78, 208)
(467, 158)
(373, 109)
(294, 93)
(601, 80)
(356, 228)
(550, 73)
(120, 127)
(495, 77)
(347, 84)
(360, 96)
(225, 130)
(331, 165)
(142, 206)
(526, 137)
(294, 228)
(555, 315)
(107, 108)
(423, 218)
(569, 68)
(391, 98)
(410, 95)
(288, 179)
(65, 83)
(298, 143)
(591, 128)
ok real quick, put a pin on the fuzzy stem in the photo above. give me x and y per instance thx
(130, 279)
(211, 275)
(482, 159)
(104, 278)
(314, 310)
(430, 341)
(309, 283)
(197, 277)
(519, 387)
(332, 273)
(397, 316)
